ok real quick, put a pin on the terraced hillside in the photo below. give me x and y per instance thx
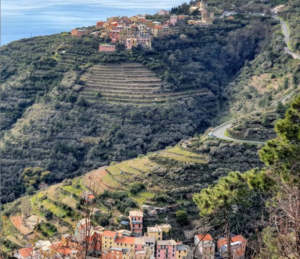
(168, 177)
(128, 82)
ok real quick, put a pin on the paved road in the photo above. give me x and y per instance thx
(219, 133)
(286, 34)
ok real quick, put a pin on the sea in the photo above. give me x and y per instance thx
(29, 18)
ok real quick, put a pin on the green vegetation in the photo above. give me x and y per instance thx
(181, 216)
(278, 184)
(60, 123)
(31, 177)
(136, 188)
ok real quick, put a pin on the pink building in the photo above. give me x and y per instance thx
(139, 244)
(174, 19)
(114, 35)
(130, 42)
(107, 48)
(163, 12)
(136, 222)
(166, 249)
(144, 39)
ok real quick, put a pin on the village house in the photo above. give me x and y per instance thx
(237, 246)
(136, 222)
(83, 226)
(155, 232)
(163, 12)
(166, 249)
(100, 24)
(24, 253)
(181, 251)
(156, 23)
(191, 22)
(277, 9)
(79, 33)
(205, 246)
(173, 19)
(157, 31)
(150, 244)
(107, 48)
(88, 197)
(165, 227)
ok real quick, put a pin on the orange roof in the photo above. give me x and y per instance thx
(91, 196)
(157, 27)
(234, 239)
(108, 233)
(125, 240)
(25, 252)
(100, 23)
(238, 238)
(206, 237)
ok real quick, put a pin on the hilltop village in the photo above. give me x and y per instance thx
(138, 31)
(88, 241)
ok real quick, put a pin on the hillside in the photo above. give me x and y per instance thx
(168, 177)
(59, 114)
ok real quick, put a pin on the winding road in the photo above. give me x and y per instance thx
(220, 131)
(286, 34)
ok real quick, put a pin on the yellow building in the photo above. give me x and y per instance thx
(181, 251)
(108, 239)
(164, 227)
(190, 22)
(155, 232)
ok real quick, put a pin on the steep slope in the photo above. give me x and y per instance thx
(167, 177)
(51, 122)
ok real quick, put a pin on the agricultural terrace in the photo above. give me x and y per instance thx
(127, 83)
(120, 176)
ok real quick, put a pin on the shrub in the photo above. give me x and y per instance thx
(181, 216)
(136, 187)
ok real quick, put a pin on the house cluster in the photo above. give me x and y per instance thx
(206, 248)
(134, 31)
(138, 31)
(121, 244)
(207, 17)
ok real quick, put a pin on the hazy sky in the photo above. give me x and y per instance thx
(23, 18)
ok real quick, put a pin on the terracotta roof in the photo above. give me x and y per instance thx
(238, 238)
(25, 252)
(206, 237)
(157, 27)
(108, 233)
(91, 196)
(125, 240)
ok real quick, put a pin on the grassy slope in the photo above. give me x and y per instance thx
(172, 173)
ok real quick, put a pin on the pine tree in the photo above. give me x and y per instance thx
(224, 199)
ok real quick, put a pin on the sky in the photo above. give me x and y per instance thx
(26, 18)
